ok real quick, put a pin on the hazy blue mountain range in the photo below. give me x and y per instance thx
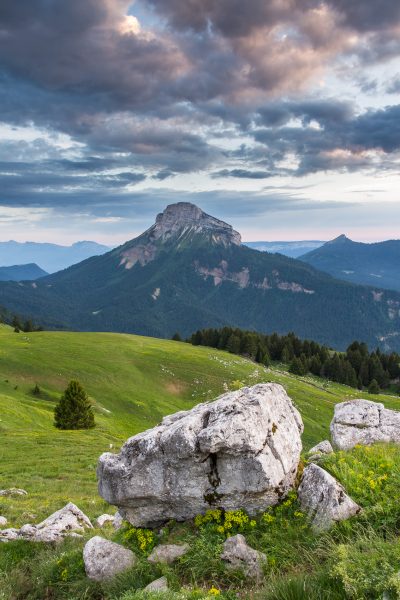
(189, 271)
(21, 272)
(292, 249)
(50, 257)
(376, 264)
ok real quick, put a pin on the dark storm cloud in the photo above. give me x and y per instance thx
(148, 103)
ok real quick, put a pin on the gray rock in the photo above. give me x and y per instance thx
(65, 522)
(324, 499)
(118, 520)
(240, 451)
(364, 422)
(324, 447)
(167, 553)
(9, 534)
(159, 585)
(3, 521)
(13, 492)
(104, 519)
(238, 555)
(104, 559)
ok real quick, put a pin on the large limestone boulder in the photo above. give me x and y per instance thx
(364, 422)
(68, 521)
(240, 451)
(104, 559)
(324, 499)
(237, 554)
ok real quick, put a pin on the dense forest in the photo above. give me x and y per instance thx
(357, 367)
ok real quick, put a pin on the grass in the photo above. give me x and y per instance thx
(133, 381)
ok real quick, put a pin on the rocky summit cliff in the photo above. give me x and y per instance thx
(180, 224)
(189, 271)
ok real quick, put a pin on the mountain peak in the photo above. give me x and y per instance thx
(184, 218)
(340, 239)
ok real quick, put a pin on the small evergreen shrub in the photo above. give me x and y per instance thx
(74, 410)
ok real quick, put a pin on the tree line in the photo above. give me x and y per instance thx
(17, 322)
(357, 367)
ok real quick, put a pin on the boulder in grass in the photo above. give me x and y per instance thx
(159, 585)
(13, 492)
(104, 559)
(167, 553)
(324, 447)
(364, 422)
(3, 521)
(105, 520)
(68, 521)
(323, 499)
(237, 554)
(240, 451)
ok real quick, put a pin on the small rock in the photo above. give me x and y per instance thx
(364, 422)
(159, 585)
(103, 519)
(324, 499)
(65, 522)
(167, 553)
(118, 520)
(238, 555)
(3, 521)
(13, 492)
(324, 447)
(104, 559)
(7, 535)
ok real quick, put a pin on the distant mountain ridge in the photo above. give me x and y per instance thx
(21, 272)
(375, 264)
(190, 271)
(292, 249)
(50, 257)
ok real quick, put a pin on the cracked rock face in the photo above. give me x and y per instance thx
(324, 499)
(240, 451)
(364, 422)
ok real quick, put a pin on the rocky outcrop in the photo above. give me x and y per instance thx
(238, 555)
(167, 553)
(69, 521)
(180, 221)
(324, 499)
(240, 451)
(364, 422)
(104, 559)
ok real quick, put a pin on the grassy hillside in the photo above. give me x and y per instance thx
(133, 381)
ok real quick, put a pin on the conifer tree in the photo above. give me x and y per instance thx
(74, 410)
(373, 387)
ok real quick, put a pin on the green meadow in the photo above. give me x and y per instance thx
(132, 382)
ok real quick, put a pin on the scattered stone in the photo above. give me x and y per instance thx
(104, 519)
(364, 422)
(240, 451)
(9, 535)
(159, 585)
(3, 521)
(324, 447)
(167, 553)
(238, 555)
(65, 522)
(324, 499)
(104, 559)
(13, 492)
(118, 520)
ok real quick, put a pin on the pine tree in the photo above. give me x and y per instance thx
(74, 410)
(176, 337)
(373, 387)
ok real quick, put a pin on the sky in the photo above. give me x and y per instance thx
(281, 117)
